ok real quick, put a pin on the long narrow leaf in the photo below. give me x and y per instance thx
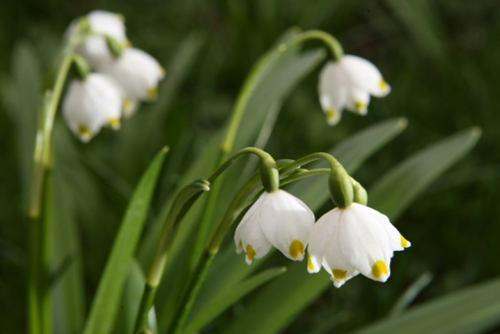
(208, 312)
(395, 191)
(106, 302)
(470, 310)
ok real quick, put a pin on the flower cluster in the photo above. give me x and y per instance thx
(123, 76)
(345, 241)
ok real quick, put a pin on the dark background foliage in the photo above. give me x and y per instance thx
(440, 57)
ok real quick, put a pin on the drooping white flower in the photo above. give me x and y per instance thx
(95, 49)
(276, 219)
(354, 240)
(91, 104)
(138, 73)
(348, 84)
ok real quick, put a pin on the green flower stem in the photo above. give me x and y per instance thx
(269, 175)
(39, 235)
(339, 182)
(259, 71)
(49, 119)
(256, 75)
(184, 200)
(46, 301)
(34, 309)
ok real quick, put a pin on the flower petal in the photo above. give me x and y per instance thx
(364, 75)
(286, 222)
(358, 101)
(333, 91)
(321, 235)
(334, 260)
(249, 236)
(364, 242)
(137, 72)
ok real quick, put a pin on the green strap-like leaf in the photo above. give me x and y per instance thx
(395, 191)
(470, 310)
(131, 298)
(204, 314)
(106, 302)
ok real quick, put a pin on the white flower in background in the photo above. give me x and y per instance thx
(95, 49)
(91, 104)
(348, 84)
(276, 219)
(354, 240)
(138, 73)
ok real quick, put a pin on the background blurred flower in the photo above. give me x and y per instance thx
(95, 49)
(348, 84)
(91, 104)
(138, 73)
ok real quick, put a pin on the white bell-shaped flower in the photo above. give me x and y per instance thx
(91, 104)
(138, 73)
(95, 49)
(354, 240)
(276, 219)
(348, 84)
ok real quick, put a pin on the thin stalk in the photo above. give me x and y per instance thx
(257, 73)
(194, 286)
(40, 310)
(45, 254)
(34, 309)
(184, 200)
(48, 123)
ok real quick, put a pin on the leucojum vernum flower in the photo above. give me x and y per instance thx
(279, 219)
(113, 78)
(348, 84)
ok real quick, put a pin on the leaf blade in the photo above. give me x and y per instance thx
(395, 190)
(106, 302)
(470, 310)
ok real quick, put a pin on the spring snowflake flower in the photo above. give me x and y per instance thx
(348, 83)
(101, 23)
(138, 73)
(92, 103)
(276, 219)
(354, 240)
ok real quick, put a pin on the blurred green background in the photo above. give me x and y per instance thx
(440, 57)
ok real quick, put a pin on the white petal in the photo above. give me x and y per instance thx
(91, 104)
(334, 260)
(333, 91)
(358, 101)
(107, 23)
(363, 242)
(286, 222)
(321, 235)
(364, 75)
(137, 72)
(249, 236)
(95, 49)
